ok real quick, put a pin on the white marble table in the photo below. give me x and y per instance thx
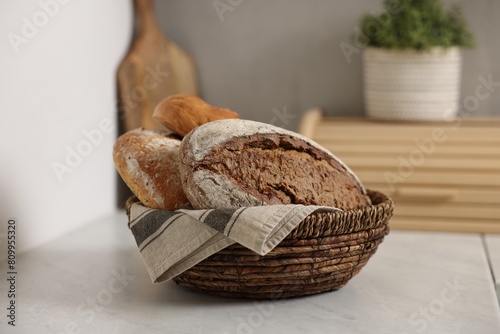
(93, 281)
(493, 251)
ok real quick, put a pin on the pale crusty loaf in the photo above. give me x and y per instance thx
(182, 113)
(148, 162)
(235, 163)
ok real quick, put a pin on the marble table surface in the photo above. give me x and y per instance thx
(94, 281)
(493, 251)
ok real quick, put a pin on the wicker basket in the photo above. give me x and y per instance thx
(321, 254)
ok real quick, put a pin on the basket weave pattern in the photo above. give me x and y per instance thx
(321, 254)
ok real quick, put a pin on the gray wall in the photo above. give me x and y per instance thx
(269, 55)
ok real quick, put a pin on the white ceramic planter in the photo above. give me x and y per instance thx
(411, 85)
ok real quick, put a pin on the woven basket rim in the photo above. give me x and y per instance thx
(381, 200)
(325, 224)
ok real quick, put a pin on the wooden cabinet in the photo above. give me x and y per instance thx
(441, 176)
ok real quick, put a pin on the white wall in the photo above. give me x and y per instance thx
(58, 83)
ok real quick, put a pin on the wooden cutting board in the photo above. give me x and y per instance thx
(154, 68)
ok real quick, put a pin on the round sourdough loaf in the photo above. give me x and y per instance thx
(234, 163)
(148, 162)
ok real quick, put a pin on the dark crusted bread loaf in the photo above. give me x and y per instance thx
(234, 163)
(148, 162)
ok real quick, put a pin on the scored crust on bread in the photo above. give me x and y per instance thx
(233, 163)
(148, 162)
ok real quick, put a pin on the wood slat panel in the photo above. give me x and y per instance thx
(370, 148)
(391, 163)
(464, 195)
(462, 136)
(447, 210)
(475, 122)
(310, 121)
(428, 178)
(441, 224)
(456, 186)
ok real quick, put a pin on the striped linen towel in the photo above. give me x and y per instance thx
(171, 242)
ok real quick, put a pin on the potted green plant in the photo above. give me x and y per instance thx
(413, 61)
